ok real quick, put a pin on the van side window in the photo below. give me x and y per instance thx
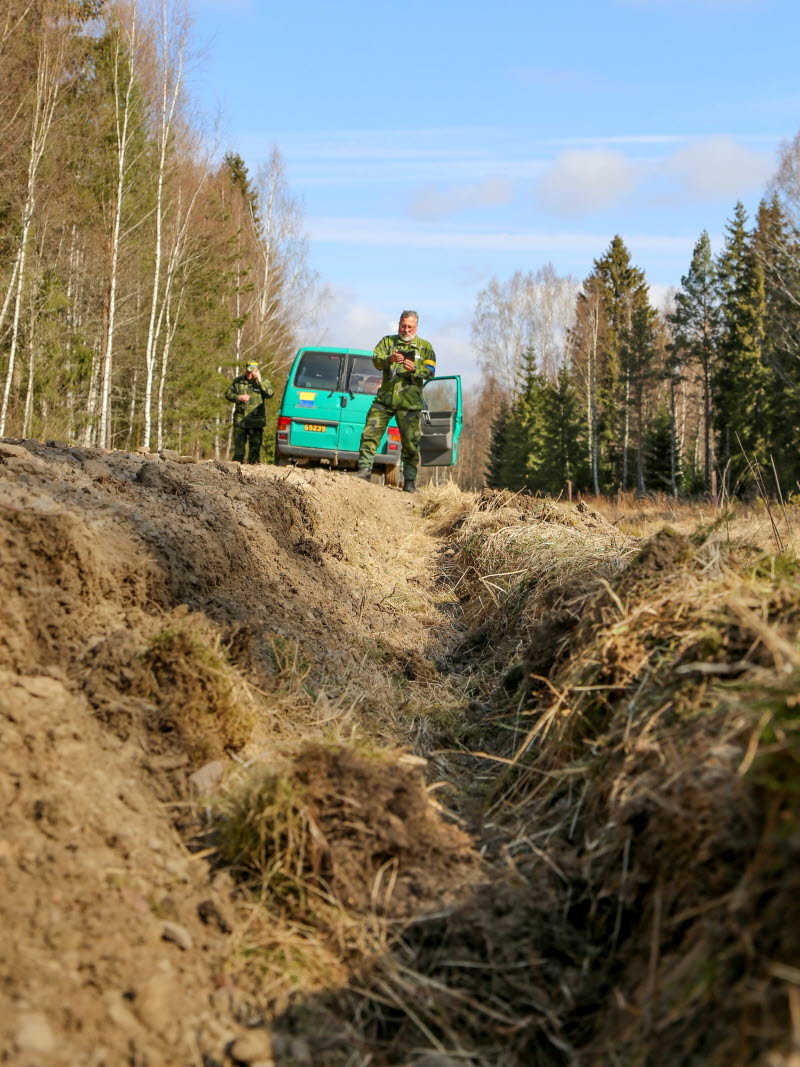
(318, 370)
(364, 378)
(440, 395)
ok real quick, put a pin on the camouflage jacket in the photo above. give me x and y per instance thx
(401, 389)
(253, 412)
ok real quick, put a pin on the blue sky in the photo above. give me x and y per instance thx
(435, 145)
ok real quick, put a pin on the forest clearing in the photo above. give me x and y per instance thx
(299, 771)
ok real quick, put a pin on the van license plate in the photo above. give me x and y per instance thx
(315, 429)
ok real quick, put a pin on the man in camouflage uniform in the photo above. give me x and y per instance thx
(249, 394)
(407, 362)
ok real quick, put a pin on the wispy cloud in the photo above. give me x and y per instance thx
(583, 182)
(588, 181)
(345, 315)
(438, 203)
(718, 167)
(398, 232)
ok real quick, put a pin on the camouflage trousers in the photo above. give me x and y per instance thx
(378, 419)
(252, 436)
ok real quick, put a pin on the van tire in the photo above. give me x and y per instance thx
(391, 475)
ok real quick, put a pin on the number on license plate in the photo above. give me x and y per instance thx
(316, 429)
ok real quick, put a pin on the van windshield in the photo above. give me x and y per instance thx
(318, 370)
(364, 378)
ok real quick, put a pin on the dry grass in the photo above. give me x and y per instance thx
(643, 816)
(337, 847)
(198, 694)
(620, 715)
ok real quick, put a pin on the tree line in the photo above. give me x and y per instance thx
(589, 387)
(139, 266)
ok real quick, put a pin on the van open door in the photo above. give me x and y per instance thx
(441, 422)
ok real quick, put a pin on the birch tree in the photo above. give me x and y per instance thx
(54, 41)
(173, 30)
(125, 58)
(287, 290)
(527, 311)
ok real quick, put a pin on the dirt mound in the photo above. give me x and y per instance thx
(156, 614)
(104, 954)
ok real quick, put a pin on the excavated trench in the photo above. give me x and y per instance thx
(297, 770)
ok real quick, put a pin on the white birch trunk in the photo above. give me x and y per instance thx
(50, 83)
(122, 110)
(28, 416)
(167, 107)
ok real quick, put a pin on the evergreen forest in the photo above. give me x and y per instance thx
(590, 388)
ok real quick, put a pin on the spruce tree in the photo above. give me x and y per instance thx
(696, 326)
(564, 432)
(778, 252)
(523, 453)
(740, 379)
(604, 338)
(497, 447)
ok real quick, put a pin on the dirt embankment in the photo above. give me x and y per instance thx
(157, 617)
(218, 846)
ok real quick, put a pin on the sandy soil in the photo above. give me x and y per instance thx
(117, 569)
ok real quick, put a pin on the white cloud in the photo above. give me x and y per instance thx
(582, 182)
(717, 167)
(348, 321)
(436, 203)
(398, 232)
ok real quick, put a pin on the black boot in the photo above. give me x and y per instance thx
(409, 486)
(363, 472)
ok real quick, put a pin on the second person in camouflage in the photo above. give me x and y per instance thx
(407, 362)
(249, 394)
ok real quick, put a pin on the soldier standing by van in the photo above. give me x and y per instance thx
(249, 394)
(407, 362)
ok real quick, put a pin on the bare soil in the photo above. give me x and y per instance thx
(154, 616)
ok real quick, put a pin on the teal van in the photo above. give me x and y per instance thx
(324, 408)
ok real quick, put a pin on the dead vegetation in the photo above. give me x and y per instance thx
(643, 902)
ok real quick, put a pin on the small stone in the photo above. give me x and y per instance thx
(122, 1017)
(97, 469)
(207, 778)
(150, 477)
(178, 934)
(300, 1051)
(221, 1001)
(12, 450)
(252, 1047)
(155, 1002)
(34, 1033)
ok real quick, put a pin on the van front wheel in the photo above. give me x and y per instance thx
(391, 475)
